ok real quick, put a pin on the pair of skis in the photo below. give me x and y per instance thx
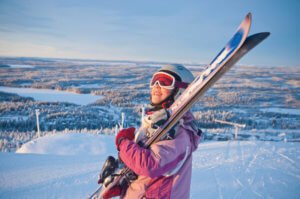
(235, 49)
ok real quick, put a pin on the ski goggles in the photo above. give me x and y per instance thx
(167, 81)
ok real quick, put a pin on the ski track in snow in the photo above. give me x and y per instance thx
(219, 186)
(247, 169)
(50, 180)
(285, 157)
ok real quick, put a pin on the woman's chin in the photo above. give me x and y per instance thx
(156, 100)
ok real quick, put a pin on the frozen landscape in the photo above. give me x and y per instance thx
(81, 103)
(48, 95)
(92, 95)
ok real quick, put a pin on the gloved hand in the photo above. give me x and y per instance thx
(124, 134)
(113, 192)
(152, 120)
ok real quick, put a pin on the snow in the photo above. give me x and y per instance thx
(48, 95)
(290, 111)
(246, 169)
(88, 86)
(67, 166)
(21, 66)
(69, 144)
(11, 117)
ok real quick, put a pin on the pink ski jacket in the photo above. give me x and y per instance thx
(164, 170)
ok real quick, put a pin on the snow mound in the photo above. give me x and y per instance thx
(70, 144)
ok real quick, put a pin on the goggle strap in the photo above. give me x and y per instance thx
(181, 84)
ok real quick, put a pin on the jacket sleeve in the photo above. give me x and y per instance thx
(160, 158)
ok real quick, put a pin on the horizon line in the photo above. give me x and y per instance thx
(135, 61)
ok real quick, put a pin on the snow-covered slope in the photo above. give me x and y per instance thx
(247, 169)
(233, 169)
(69, 144)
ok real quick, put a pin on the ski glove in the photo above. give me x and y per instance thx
(124, 134)
(113, 192)
(152, 120)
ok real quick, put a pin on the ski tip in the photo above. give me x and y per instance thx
(249, 16)
(266, 34)
(261, 35)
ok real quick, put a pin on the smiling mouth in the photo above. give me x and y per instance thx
(157, 94)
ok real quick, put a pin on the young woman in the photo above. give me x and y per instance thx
(164, 170)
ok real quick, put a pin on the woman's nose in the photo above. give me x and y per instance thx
(156, 84)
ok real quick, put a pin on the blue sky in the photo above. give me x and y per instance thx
(171, 31)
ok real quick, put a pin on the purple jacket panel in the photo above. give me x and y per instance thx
(162, 157)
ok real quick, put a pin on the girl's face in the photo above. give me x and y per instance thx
(159, 94)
